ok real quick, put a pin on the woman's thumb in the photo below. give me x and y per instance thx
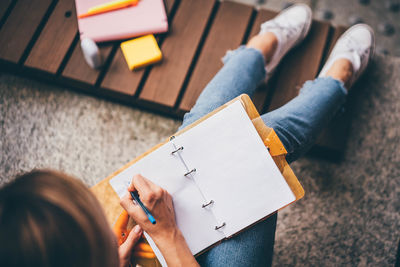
(134, 235)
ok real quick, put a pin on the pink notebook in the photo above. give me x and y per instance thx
(148, 16)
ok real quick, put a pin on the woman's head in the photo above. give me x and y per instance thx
(50, 219)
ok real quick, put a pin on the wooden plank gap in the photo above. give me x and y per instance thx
(118, 77)
(263, 94)
(6, 6)
(197, 54)
(37, 32)
(326, 51)
(106, 65)
(266, 93)
(249, 26)
(165, 80)
(171, 6)
(68, 54)
(221, 38)
(334, 34)
(55, 39)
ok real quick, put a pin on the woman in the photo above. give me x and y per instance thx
(48, 219)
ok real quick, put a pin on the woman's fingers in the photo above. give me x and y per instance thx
(134, 210)
(125, 250)
(157, 201)
(140, 184)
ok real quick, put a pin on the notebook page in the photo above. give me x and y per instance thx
(167, 171)
(234, 169)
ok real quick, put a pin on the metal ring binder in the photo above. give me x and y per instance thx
(176, 150)
(209, 203)
(189, 172)
(218, 227)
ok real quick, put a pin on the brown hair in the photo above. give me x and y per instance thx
(50, 219)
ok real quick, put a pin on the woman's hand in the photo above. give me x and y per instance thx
(125, 249)
(157, 201)
(165, 232)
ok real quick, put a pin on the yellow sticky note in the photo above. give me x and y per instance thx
(141, 51)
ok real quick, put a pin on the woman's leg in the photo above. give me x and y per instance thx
(243, 70)
(253, 247)
(299, 122)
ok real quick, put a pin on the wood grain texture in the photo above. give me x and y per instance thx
(19, 28)
(166, 80)
(300, 65)
(119, 77)
(260, 96)
(4, 4)
(55, 39)
(78, 69)
(169, 4)
(226, 33)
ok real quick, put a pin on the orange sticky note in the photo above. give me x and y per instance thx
(141, 51)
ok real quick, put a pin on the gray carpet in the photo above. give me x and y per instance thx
(350, 215)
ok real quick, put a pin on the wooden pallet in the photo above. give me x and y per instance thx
(40, 39)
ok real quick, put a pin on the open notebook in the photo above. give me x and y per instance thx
(235, 183)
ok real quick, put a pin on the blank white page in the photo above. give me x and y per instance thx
(234, 169)
(167, 171)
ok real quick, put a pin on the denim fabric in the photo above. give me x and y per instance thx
(297, 124)
(243, 70)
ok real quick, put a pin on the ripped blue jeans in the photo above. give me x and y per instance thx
(297, 124)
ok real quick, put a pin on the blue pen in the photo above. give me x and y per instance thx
(135, 196)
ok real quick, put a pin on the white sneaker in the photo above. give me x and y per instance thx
(290, 26)
(357, 45)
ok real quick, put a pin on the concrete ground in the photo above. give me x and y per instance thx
(350, 215)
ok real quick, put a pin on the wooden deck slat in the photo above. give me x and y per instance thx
(55, 39)
(169, 4)
(119, 77)
(166, 80)
(78, 69)
(227, 32)
(4, 4)
(260, 96)
(300, 65)
(19, 28)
